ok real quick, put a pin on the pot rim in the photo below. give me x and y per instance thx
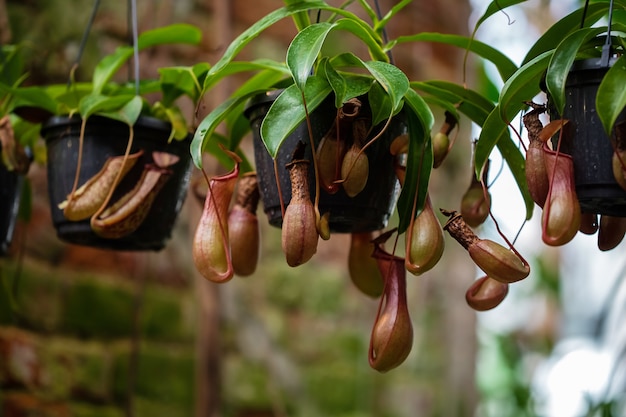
(142, 121)
(590, 64)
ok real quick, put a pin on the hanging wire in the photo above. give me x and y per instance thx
(379, 14)
(606, 49)
(133, 16)
(582, 21)
(83, 41)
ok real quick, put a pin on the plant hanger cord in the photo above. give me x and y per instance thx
(83, 41)
(132, 6)
(379, 14)
(606, 49)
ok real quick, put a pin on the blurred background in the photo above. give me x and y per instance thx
(89, 333)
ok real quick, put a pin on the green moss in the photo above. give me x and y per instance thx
(245, 384)
(164, 374)
(162, 316)
(93, 309)
(90, 410)
(85, 367)
(36, 301)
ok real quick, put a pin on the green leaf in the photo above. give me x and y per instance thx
(522, 86)
(380, 104)
(255, 30)
(561, 29)
(109, 65)
(504, 65)
(178, 81)
(287, 112)
(177, 33)
(32, 97)
(207, 127)
(391, 78)
(419, 107)
(419, 166)
(469, 102)
(11, 65)
(337, 82)
(304, 49)
(516, 163)
(561, 63)
(128, 114)
(353, 23)
(496, 132)
(237, 67)
(93, 103)
(611, 97)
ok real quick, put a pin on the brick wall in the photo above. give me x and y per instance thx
(67, 339)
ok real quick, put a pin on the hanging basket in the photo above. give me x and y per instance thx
(367, 211)
(586, 141)
(105, 138)
(10, 186)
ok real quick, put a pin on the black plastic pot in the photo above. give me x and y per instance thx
(586, 141)
(368, 211)
(105, 138)
(10, 187)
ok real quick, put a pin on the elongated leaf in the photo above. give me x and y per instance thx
(561, 29)
(380, 103)
(237, 67)
(207, 127)
(270, 19)
(178, 81)
(522, 86)
(93, 104)
(496, 132)
(391, 78)
(469, 102)
(419, 107)
(419, 159)
(419, 166)
(337, 82)
(127, 114)
(304, 49)
(516, 163)
(505, 66)
(287, 112)
(561, 62)
(397, 8)
(611, 97)
(30, 97)
(178, 33)
(468, 95)
(306, 45)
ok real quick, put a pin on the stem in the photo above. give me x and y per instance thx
(81, 140)
(118, 177)
(315, 165)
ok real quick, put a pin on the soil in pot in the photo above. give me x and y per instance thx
(586, 141)
(106, 138)
(368, 211)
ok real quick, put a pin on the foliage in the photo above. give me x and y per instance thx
(124, 102)
(310, 76)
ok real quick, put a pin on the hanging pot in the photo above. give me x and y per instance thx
(106, 138)
(10, 186)
(586, 141)
(368, 211)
